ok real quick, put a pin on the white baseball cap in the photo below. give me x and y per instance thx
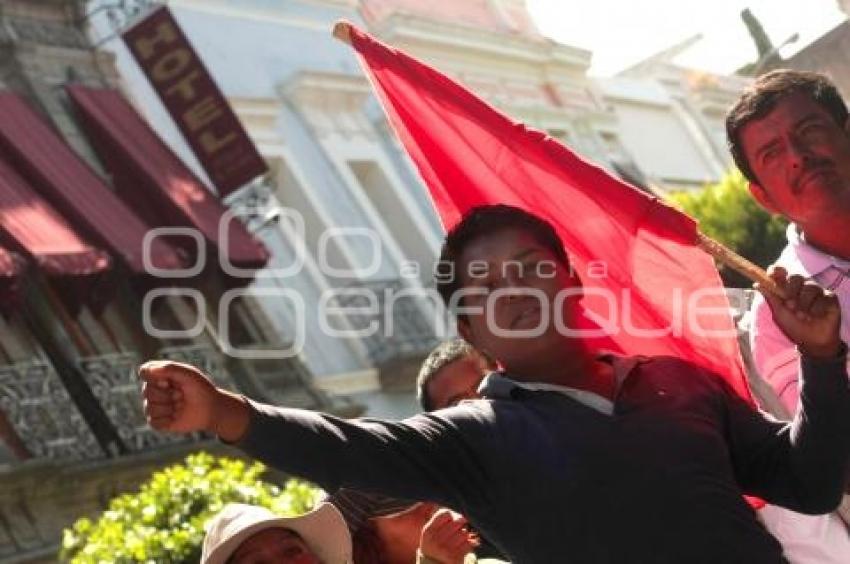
(323, 529)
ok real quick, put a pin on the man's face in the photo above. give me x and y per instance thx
(454, 382)
(511, 285)
(274, 546)
(801, 160)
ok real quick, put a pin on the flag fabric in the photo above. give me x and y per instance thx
(647, 283)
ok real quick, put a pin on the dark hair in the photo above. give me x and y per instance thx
(366, 545)
(763, 94)
(358, 508)
(482, 221)
(443, 355)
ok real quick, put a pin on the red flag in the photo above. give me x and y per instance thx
(635, 254)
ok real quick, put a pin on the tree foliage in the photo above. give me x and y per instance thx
(163, 522)
(727, 212)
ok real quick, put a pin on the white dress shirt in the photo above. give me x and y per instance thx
(806, 539)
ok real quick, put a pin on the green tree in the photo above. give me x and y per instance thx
(163, 522)
(727, 213)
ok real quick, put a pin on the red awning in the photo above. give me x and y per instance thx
(153, 180)
(72, 187)
(28, 224)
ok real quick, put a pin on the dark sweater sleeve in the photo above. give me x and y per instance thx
(800, 465)
(427, 457)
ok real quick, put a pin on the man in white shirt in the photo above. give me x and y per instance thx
(789, 134)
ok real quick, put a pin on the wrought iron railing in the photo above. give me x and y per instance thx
(279, 381)
(113, 380)
(402, 327)
(205, 357)
(286, 381)
(42, 413)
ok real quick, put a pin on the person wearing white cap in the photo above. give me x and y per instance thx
(249, 534)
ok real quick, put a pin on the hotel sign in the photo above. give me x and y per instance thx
(194, 101)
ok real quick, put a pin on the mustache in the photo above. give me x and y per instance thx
(814, 164)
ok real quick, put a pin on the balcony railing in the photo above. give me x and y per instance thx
(285, 381)
(113, 380)
(401, 331)
(204, 357)
(42, 413)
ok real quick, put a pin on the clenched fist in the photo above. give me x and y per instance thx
(182, 399)
(808, 315)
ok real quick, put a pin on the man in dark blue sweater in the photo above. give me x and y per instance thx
(571, 456)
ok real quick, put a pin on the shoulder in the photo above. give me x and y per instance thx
(467, 415)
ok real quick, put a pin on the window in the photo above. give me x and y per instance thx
(387, 202)
(291, 193)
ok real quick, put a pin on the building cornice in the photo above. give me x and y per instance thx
(253, 13)
(260, 111)
(406, 27)
(311, 87)
(259, 116)
(332, 103)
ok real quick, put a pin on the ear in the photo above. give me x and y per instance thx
(761, 196)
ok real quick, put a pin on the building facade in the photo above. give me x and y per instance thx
(828, 54)
(82, 304)
(494, 48)
(684, 109)
(355, 217)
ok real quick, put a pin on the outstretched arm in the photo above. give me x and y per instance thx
(429, 456)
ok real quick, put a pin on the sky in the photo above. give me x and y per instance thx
(623, 32)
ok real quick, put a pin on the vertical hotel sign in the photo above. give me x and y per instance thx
(194, 101)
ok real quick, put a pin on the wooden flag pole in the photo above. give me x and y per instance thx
(736, 262)
(721, 253)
